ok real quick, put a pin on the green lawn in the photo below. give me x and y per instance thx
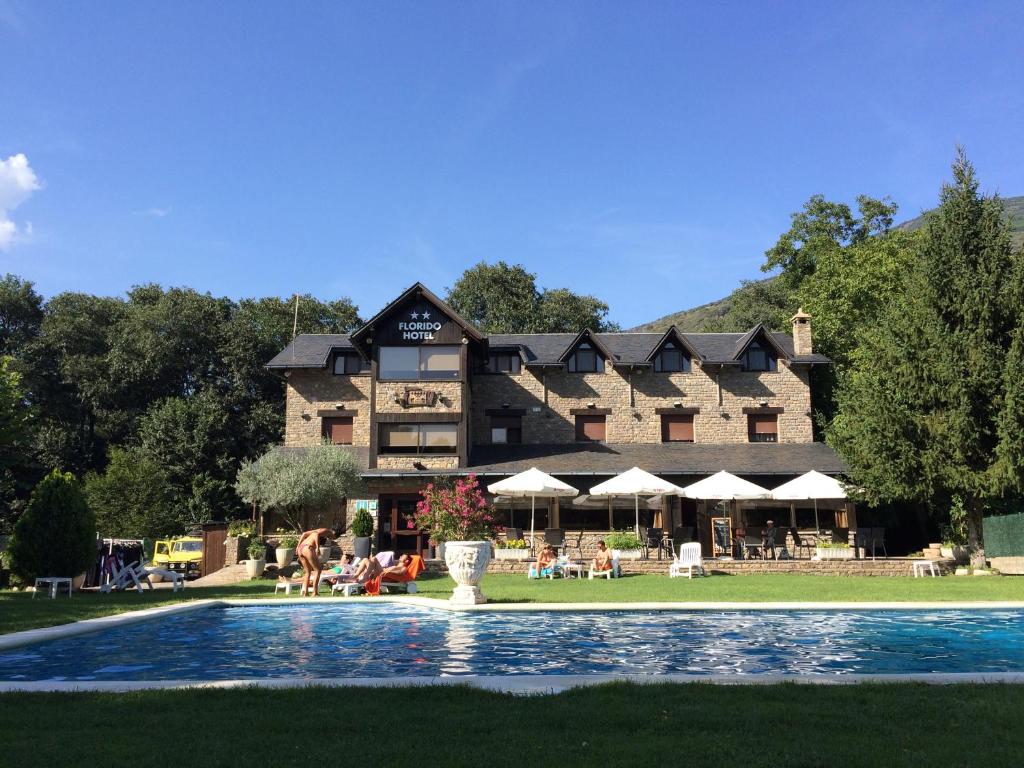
(612, 725)
(18, 611)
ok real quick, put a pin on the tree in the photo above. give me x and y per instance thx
(15, 426)
(191, 440)
(57, 534)
(756, 301)
(292, 481)
(498, 298)
(132, 499)
(21, 314)
(929, 412)
(821, 227)
(559, 310)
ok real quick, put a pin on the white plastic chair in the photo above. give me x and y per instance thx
(689, 560)
(613, 573)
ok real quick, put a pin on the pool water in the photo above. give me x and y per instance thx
(388, 640)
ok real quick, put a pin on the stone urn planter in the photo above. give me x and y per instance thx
(467, 563)
(255, 568)
(284, 556)
(511, 554)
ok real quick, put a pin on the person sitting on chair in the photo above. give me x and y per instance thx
(768, 535)
(545, 563)
(603, 558)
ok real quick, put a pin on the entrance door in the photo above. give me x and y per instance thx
(394, 515)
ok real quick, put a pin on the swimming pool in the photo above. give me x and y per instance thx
(389, 640)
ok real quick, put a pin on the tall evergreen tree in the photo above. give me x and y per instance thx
(929, 409)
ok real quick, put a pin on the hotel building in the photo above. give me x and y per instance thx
(418, 392)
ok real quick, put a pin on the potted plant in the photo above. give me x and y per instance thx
(362, 530)
(285, 551)
(629, 545)
(457, 515)
(833, 550)
(257, 551)
(510, 549)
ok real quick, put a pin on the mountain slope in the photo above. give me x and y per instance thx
(695, 319)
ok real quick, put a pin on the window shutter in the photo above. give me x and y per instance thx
(338, 430)
(590, 429)
(763, 427)
(677, 429)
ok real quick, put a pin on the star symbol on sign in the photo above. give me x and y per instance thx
(415, 316)
(426, 315)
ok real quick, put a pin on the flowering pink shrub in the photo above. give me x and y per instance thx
(455, 511)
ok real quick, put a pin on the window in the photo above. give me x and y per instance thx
(677, 428)
(759, 358)
(418, 438)
(763, 428)
(503, 362)
(506, 430)
(589, 429)
(586, 360)
(349, 363)
(417, 363)
(671, 359)
(337, 429)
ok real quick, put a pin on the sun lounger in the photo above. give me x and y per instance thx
(143, 572)
(689, 560)
(122, 579)
(613, 573)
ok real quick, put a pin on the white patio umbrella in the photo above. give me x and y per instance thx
(810, 485)
(533, 484)
(724, 486)
(635, 482)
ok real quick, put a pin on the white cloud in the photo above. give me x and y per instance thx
(17, 183)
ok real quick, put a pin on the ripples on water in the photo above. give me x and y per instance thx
(387, 640)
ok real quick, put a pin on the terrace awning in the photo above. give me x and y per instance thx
(532, 484)
(635, 482)
(810, 486)
(724, 486)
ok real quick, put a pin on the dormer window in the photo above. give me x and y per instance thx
(759, 358)
(586, 359)
(349, 364)
(503, 362)
(672, 359)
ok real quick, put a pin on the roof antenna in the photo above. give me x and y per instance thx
(295, 325)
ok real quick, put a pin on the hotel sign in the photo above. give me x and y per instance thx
(419, 327)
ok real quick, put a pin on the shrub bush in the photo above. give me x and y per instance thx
(242, 528)
(623, 540)
(362, 524)
(57, 534)
(257, 549)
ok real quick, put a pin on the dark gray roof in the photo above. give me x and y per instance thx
(310, 350)
(681, 459)
(659, 458)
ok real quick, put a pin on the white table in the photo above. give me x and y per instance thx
(54, 582)
(572, 570)
(920, 566)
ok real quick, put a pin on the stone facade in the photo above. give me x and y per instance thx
(634, 418)
(449, 396)
(311, 390)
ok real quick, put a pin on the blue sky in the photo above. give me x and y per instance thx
(647, 153)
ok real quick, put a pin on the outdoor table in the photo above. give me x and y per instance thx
(572, 570)
(54, 582)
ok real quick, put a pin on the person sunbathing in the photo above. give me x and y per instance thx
(603, 558)
(397, 571)
(369, 568)
(545, 563)
(344, 571)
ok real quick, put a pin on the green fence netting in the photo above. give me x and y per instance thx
(1004, 536)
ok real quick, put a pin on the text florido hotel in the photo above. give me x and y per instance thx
(418, 392)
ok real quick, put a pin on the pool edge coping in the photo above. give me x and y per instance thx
(518, 684)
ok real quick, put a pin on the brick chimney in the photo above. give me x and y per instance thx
(802, 344)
